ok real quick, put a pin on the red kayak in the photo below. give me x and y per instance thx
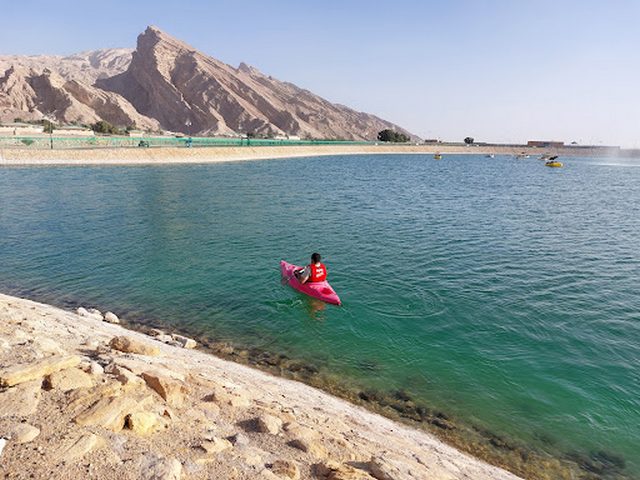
(320, 290)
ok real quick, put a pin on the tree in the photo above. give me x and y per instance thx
(388, 135)
(48, 126)
(105, 127)
(468, 140)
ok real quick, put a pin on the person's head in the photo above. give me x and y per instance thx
(315, 258)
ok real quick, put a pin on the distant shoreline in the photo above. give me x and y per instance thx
(174, 155)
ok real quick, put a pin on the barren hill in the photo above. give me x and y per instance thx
(166, 84)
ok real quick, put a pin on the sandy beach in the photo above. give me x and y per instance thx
(171, 155)
(82, 397)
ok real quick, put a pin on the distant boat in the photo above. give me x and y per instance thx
(437, 156)
(490, 155)
(553, 162)
(522, 155)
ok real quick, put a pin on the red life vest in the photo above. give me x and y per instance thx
(318, 274)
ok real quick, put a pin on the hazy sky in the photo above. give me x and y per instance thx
(498, 70)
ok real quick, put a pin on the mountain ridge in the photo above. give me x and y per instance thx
(165, 84)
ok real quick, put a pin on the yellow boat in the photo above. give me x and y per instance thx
(437, 156)
(554, 163)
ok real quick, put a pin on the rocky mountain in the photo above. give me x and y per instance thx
(167, 85)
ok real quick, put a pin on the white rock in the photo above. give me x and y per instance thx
(95, 368)
(185, 342)
(91, 313)
(3, 442)
(164, 338)
(111, 317)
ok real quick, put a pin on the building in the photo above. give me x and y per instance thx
(544, 144)
(20, 130)
(73, 131)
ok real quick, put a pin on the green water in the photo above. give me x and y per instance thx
(500, 291)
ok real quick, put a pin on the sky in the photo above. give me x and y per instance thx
(496, 70)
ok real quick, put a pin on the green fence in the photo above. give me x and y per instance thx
(53, 142)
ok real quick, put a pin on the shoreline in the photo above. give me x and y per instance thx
(481, 444)
(203, 155)
(273, 427)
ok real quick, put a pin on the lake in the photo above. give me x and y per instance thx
(498, 291)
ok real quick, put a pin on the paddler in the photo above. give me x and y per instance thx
(314, 272)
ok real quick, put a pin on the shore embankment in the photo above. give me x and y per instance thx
(174, 155)
(82, 397)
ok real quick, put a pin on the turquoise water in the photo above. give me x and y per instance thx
(498, 290)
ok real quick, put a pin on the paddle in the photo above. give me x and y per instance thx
(286, 280)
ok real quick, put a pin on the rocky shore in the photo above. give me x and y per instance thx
(173, 155)
(82, 397)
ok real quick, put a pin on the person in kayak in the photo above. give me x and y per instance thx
(314, 272)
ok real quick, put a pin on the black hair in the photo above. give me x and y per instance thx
(315, 258)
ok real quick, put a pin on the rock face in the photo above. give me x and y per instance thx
(167, 84)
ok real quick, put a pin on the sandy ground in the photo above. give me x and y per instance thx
(142, 156)
(76, 404)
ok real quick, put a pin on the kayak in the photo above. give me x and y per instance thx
(320, 290)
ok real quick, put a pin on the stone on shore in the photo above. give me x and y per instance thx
(141, 423)
(109, 413)
(155, 467)
(36, 370)
(24, 433)
(164, 338)
(286, 469)
(268, 424)
(171, 390)
(215, 445)
(21, 400)
(306, 440)
(223, 397)
(95, 369)
(129, 345)
(332, 470)
(77, 449)
(124, 375)
(111, 317)
(91, 313)
(69, 379)
(185, 342)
